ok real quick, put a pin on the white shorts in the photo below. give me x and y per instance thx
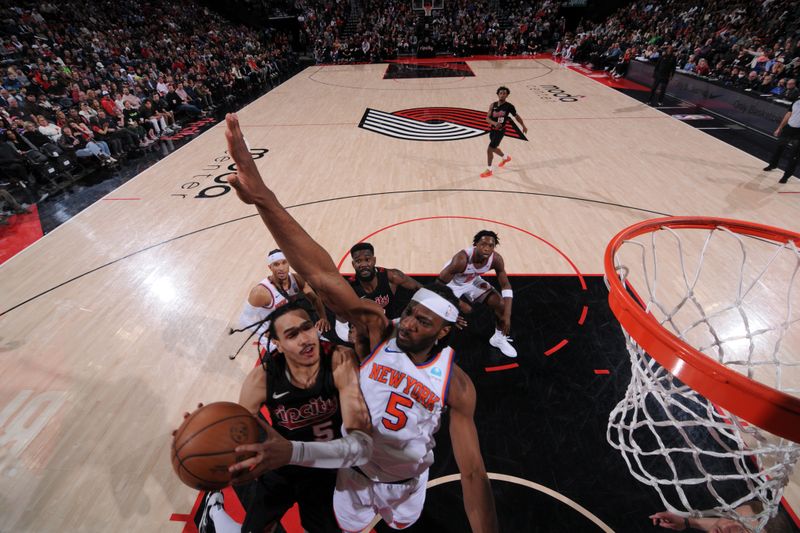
(474, 291)
(357, 499)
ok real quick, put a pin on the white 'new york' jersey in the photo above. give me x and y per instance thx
(405, 402)
(471, 272)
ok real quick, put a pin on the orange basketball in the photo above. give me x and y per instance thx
(203, 447)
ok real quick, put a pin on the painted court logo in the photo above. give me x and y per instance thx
(432, 124)
(554, 93)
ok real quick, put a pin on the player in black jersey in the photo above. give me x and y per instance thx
(311, 391)
(499, 113)
(378, 283)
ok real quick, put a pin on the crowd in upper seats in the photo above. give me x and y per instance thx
(751, 45)
(93, 81)
(385, 29)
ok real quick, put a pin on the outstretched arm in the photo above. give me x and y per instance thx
(303, 253)
(478, 497)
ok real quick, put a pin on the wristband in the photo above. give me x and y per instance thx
(351, 450)
(507, 293)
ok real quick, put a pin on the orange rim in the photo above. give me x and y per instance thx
(759, 404)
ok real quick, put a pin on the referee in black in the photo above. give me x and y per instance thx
(788, 131)
(665, 69)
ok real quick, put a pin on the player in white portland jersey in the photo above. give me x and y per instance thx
(273, 292)
(463, 275)
(424, 324)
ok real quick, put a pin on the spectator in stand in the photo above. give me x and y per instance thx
(86, 112)
(108, 104)
(48, 129)
(177, 105)
(779, 88)
(702, 68)
(131, 98)
(109, 127)
(134, 122)
(162, 111)
(156, 121)
(101, 133)
(792, 93)
(79, 146)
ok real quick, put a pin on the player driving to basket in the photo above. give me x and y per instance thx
(408, 378)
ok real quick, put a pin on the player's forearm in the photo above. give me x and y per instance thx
(479, 502)
(784, 121)
(305, 255)
(351, 450)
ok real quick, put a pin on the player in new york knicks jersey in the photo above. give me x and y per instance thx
(407, 378)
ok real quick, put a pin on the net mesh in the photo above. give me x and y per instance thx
(735, 299)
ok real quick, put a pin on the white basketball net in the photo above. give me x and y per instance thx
(733, 298)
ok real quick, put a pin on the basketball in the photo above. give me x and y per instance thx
(203, 446)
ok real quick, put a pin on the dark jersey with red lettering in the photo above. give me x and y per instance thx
(382, 295)
(311, 414)
(501, 112)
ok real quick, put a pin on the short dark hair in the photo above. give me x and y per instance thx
(273, 251)
(362, 246)
(503, 88)
(301, 304)
(485, 233)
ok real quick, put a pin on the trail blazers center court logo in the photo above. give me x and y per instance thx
(432, 124)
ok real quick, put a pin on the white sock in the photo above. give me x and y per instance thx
(506, 157)
(498, 333)
(223, 523)
(490, 168)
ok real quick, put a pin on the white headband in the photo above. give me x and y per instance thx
(275, 256)
(436, 303)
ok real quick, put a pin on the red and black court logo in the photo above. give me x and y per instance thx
(433, 124)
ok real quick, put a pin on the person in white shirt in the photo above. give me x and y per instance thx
(788, 131)
(49, 129)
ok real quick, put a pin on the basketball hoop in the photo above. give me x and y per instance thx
(427, 7)
(711, 417)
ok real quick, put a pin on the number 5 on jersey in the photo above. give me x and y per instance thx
(393, 409)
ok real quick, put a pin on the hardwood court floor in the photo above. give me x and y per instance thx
(114, 324)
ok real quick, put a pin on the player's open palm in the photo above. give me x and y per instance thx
(247, 181)
(274, 452)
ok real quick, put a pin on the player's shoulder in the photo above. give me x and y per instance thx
(461, 391)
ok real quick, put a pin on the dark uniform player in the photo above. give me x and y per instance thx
(499, 113)
(311, 391)
(378, 283)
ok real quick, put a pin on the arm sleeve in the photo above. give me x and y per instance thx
(351, 450)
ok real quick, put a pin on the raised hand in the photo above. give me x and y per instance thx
(247, 181)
